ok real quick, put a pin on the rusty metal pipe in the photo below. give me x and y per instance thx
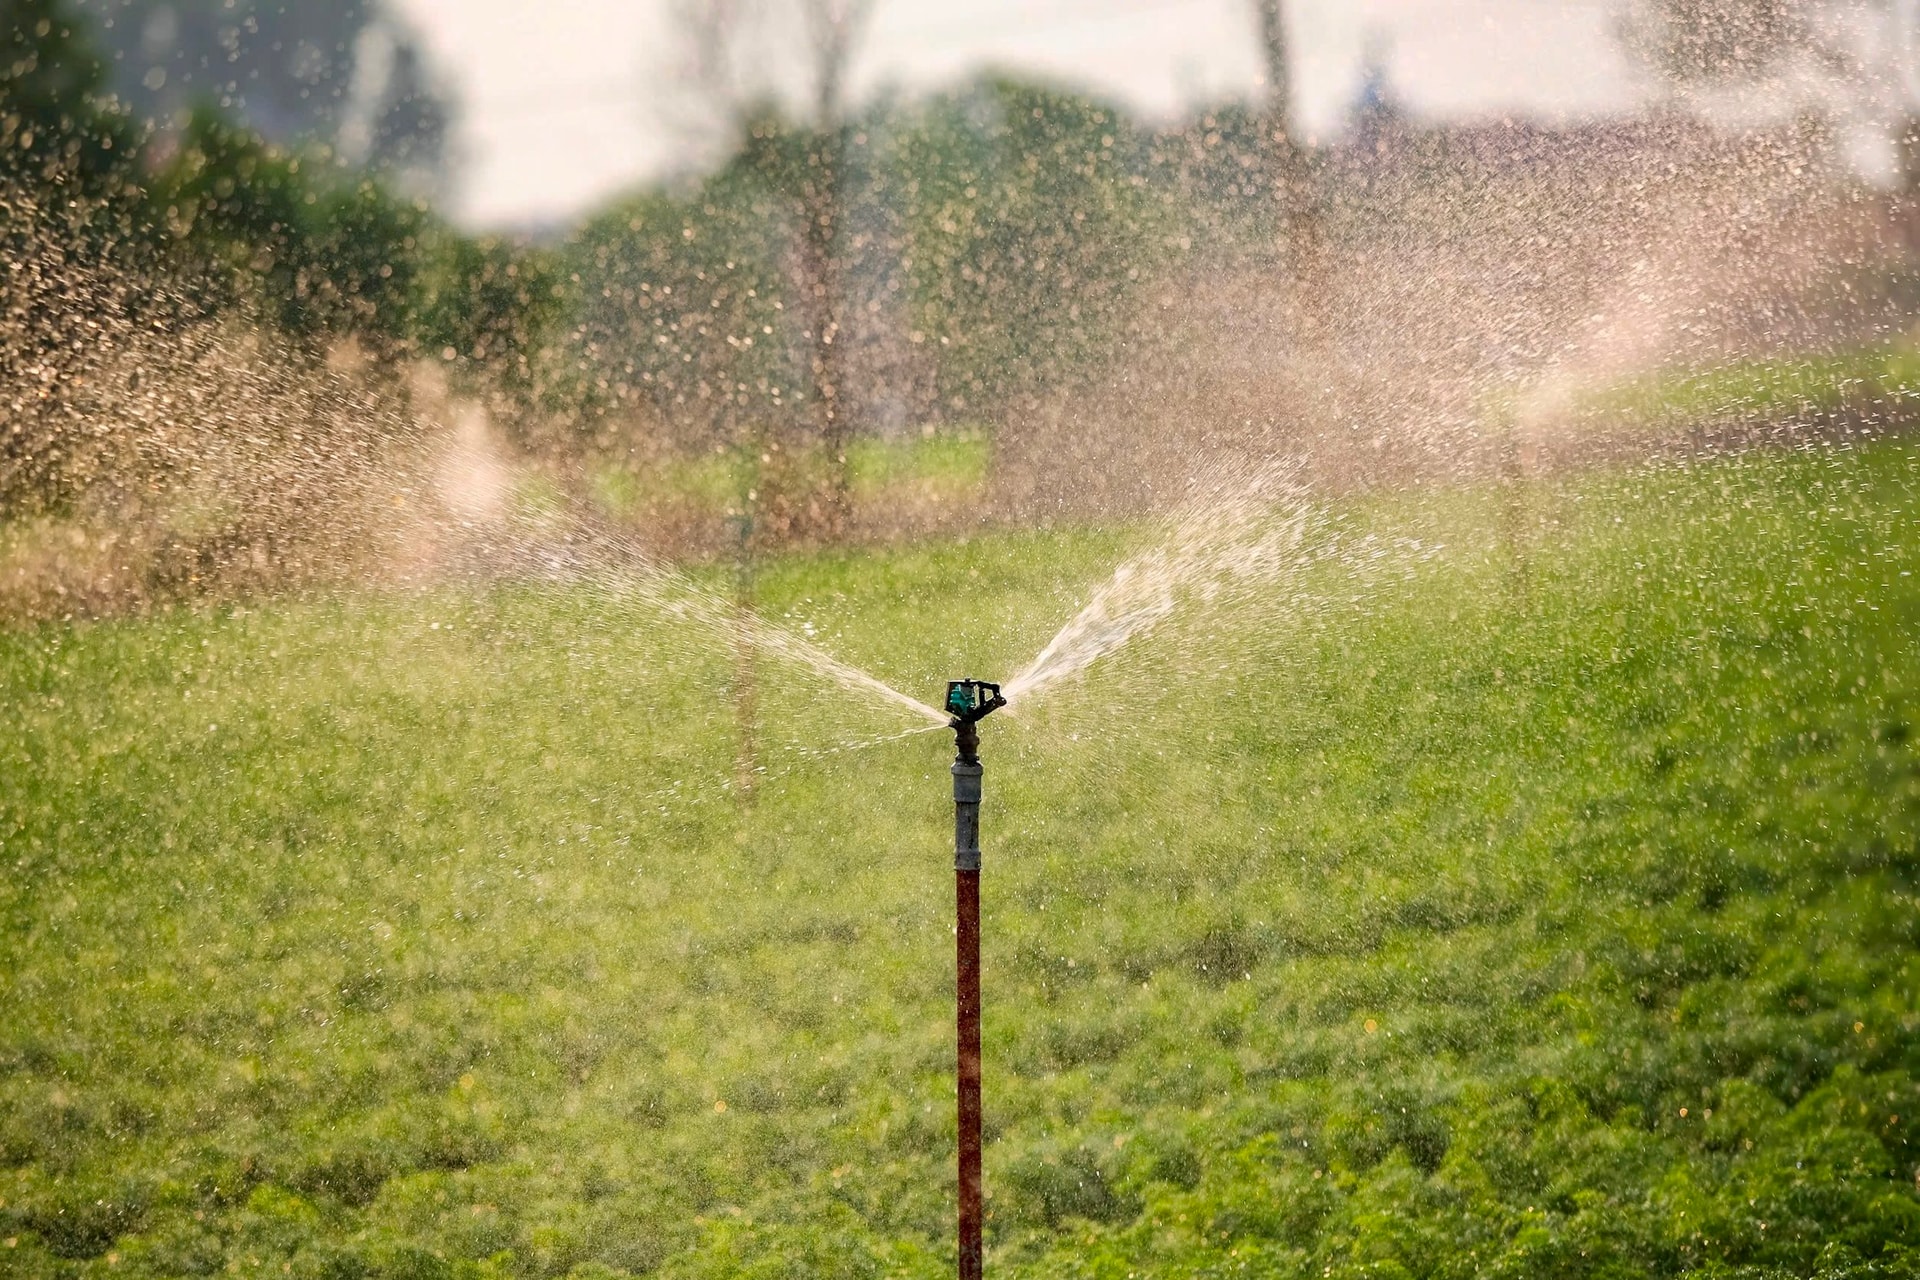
(966, 942)
(967, 952)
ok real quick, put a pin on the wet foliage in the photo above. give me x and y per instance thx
(1548, 909)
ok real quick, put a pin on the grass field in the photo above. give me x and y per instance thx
(949, 466)
(1879, 383)
(1544, 908)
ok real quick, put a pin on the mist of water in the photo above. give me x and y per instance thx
(209, 455)
(1240, 531)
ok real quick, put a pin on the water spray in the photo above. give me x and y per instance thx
(968, 703)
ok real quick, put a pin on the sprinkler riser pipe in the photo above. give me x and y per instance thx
(966, 941)
(970, 701)
(966, 815)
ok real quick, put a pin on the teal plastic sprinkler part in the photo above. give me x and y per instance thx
(969, 701)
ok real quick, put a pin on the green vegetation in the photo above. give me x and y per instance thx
(1876, 382)
(950, 463)
(993, 244)
(983, 247)
(1440, 925)
(944, 466)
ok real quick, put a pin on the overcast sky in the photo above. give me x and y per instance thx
(562, 100)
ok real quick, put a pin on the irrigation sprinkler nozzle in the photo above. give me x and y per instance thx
(969, 702)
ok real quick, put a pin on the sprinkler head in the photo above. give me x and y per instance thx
(970, 701)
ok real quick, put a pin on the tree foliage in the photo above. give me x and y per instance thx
(55, 127)
(1698, 41)
(991, 243)
(347, 76)
(1029, 229)
(917, 262)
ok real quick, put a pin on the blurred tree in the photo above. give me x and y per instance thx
(819, 188)
(1029, 229)
(323, 253)
(807, 166)
(489, 307)
(364, 264)
(70, 211)
(995, 240)
(1287, 167)
(51, 70)
(1860, 60)
(1694, 41)
(994, 243)
(52, 113)
(411, 125)
(235, 205)
(1279, 97)
(682, 306)
(1220, 166)
(344, 76)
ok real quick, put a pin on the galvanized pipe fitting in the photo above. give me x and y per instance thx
(966, 814)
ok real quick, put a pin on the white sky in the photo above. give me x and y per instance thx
(563, 101)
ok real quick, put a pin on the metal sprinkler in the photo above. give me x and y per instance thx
(968, 703)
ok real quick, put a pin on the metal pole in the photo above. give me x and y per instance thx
(966, 878)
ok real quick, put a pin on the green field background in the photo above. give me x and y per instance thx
(1539, 903)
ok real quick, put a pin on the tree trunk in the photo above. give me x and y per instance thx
(1283, 152)
(823, 280)
(836, 25)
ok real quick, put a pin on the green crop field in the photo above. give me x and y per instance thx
(1876, 379)
(950, 465)
(1543, 906)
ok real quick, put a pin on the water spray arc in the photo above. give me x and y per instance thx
(968, 703)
